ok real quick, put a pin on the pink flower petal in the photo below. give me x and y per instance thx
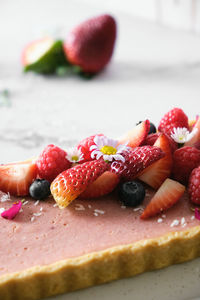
(197, 213)
(13, 211)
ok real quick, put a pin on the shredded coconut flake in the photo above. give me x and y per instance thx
(95, 214)
(32, 219)
(5, 197)
(138, 208)
(160, 220)
(37, 214)
(98, 211)
(37, 202)
(24, 203)
(184, 224)
(123, 206)
(174, 223)
(192, 217)
(55, 205)
(41, 208)
(21, 210)
(182, 221)
(2, 210)
(79, 207)
(163, 216)
(89, 206)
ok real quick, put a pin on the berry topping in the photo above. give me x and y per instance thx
(131, 193)
(156, 174)
(151, 139)
(137, 135)
(194, 186)
(40, 189)
(103, 185)
(90, 45)
(17, 177)
(51, 162)
(71, 183)
(185, 160)
(136, 160)
(173, 119)
(85, 145)
(152, 128)
(166, 196)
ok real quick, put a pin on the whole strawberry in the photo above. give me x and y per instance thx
(136, 160)
(185, 160)
(194, 186)
(84, 147)
(51, 162)
(71, 183)
(90, 45)
(174, 118)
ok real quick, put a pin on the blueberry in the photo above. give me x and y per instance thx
(40, 189)
(131, 193)
(152, 128)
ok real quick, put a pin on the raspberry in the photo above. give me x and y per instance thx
(185, 160)
(194, 186)
(51, 162)
(174, 118)
(84, 147)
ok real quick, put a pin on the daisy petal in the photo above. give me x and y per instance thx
(13, 211)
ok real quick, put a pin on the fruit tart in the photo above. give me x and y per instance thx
(103, 210)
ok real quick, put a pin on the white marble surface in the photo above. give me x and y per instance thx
(153, 70)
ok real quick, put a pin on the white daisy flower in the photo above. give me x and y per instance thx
(108, 149)
(181, 135)
(74, 155)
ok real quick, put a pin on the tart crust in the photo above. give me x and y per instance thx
(100, 267)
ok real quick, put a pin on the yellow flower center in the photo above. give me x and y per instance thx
(75, 158)
(108, 150)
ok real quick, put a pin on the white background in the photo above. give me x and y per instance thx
(154, 68)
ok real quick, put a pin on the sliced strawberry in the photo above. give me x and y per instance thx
(151, 139)
(136, 160)
(195, 139)
(156, 174)
(17, 177)
(103, 185)
(137, 135)
(168, 194)
(68, 185)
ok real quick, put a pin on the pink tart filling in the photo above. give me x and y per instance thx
(42, 234)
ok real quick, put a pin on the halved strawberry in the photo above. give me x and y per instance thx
(103, 185)
(68, 185)
(137, 135)
(156, 174)
(195, 139)
(168, 194)
(15, 178)
(43, 56)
